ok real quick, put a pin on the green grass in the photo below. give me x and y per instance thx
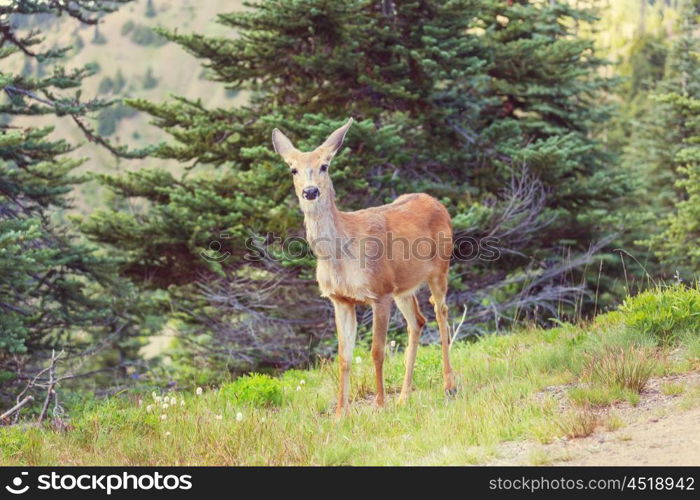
(672, 388)
(289, 420)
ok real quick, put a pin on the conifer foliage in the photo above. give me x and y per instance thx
(677, 243)
(52, 284)
(488, 105)
(663, 152)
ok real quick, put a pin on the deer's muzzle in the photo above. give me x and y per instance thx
(310, 193)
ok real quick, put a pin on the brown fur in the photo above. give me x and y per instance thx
(371, 256)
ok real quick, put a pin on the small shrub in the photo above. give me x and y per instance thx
(578, 422)
(627, 368)
(664, 312)
(255, 389)
(127, 27)
(145, 36)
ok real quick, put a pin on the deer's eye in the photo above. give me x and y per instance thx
(294, 171)
(324, 167)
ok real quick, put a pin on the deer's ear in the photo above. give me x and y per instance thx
(283, 146)
(335, 140)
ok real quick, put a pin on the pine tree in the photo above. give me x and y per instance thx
(664, 138)
(677, 243)
(52, 283)
(449, 98)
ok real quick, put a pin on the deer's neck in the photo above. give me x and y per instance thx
(324, 231)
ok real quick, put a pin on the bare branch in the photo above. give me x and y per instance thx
(16, 407)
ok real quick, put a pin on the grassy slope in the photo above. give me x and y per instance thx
(501, 398)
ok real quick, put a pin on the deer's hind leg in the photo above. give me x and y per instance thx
(408, 305)
(438, 289)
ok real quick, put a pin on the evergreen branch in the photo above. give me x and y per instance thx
(11, 89)
(120, 152)
(9, 36)
(90, 135)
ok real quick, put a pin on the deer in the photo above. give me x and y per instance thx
(371, 257)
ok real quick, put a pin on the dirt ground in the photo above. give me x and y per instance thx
(662, 429)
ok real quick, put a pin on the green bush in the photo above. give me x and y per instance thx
(623, 367)
(6, 376)
(145, 36)
(256, 389)
(127, 27)
(664, 312)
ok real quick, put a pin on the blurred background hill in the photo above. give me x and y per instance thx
(132, 60)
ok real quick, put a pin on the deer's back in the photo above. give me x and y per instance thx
(400, 245)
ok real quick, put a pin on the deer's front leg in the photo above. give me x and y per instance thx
(381, 310)
(346, 324)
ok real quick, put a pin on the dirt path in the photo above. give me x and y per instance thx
(670, 440)
(658, 431)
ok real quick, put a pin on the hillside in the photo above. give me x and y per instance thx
(160, 70)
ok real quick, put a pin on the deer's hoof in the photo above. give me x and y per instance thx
(451, 392)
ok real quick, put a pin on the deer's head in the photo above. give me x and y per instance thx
(310, 170)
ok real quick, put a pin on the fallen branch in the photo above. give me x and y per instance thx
(16, 407)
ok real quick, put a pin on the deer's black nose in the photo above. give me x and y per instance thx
(310, 193)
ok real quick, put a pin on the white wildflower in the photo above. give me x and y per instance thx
(154, 394)
(358, 360)
(298, 388)
(182, 402)
(163, 416)
(392, 344)
(239, 416)
(302, 382)
(149, 408)
(199, 391)
(219, 417)
(167, 433)
(165, 406)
